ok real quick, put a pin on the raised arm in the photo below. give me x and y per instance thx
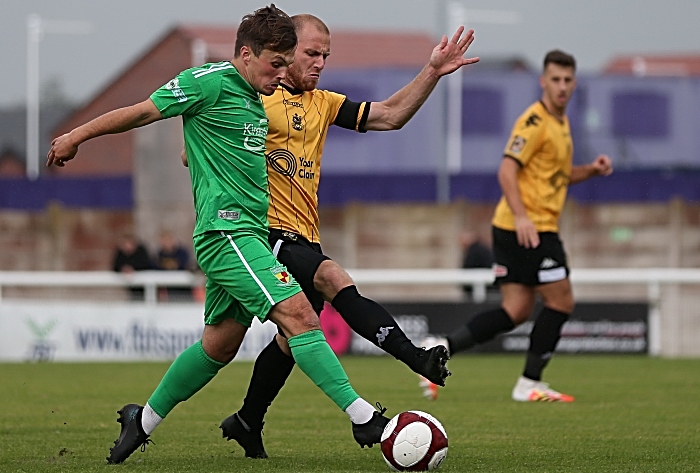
(394, 112)
(601, 166)
(65, 147)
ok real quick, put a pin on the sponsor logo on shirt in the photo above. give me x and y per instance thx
(229, 215)
(255, 134)
(174, 87)
(282, 161)
(559, 180)
(293, 104)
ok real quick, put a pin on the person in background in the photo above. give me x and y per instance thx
(131, 255)
(172, 256)
(530, 261)
(475, 254)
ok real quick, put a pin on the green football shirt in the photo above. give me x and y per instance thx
(225, 127)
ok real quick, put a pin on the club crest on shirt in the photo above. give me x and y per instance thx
(518, 144)
(282, 275)
(296, 122)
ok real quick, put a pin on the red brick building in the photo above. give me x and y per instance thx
(187, 46)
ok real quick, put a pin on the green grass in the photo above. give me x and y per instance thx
(632, 414)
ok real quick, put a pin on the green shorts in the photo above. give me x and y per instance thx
(244, 280)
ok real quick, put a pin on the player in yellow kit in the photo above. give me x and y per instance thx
(534, 175)
(299, 117)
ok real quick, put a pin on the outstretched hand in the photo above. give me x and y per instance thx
(448, 56)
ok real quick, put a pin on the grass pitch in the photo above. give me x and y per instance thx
(632, 414)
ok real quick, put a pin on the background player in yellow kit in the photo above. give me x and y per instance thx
(534, 175)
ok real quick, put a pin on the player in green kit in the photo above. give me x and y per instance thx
(225, 128)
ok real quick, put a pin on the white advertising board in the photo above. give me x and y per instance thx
(55, 331)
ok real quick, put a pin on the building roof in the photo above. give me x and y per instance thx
(655, 65)
(190, 45)
(186, 46)
(349, 49)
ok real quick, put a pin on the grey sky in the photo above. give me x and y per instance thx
(593, 30)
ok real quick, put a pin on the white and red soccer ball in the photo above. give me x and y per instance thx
(414, 441)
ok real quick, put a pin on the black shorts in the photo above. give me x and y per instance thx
(528, 266)
(302, 258)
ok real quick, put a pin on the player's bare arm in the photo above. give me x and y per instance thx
(397, 110)
(183, 157)
(601, 166)
(65, 147)
(508, 179)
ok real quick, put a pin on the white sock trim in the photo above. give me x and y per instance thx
(149, 419)
(360, 411)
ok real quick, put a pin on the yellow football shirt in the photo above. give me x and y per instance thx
(298, 126)
(542, 145)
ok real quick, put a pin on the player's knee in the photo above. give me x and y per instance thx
(518, 315)
(562, 303)
(330, 279)
(295, 316)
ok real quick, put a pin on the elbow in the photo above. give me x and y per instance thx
(394, 124)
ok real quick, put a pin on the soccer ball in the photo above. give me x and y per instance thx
(414, 441)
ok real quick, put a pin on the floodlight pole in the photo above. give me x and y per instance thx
(36, 28)
(33, 40)
(457, 15)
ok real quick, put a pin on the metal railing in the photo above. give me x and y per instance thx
(653, 278)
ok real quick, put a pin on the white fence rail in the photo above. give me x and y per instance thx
(662, 323)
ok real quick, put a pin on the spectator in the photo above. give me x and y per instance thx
(173, 256)
(475, 254)
(131, 256)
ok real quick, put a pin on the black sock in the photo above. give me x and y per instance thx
(372, 322)
(481, 328)
(543, 340)
(271, 370)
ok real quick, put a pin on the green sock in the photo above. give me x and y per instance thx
(189, 373)
(316, 359)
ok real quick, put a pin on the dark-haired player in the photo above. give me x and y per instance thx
(529, 256)
(225, 128)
